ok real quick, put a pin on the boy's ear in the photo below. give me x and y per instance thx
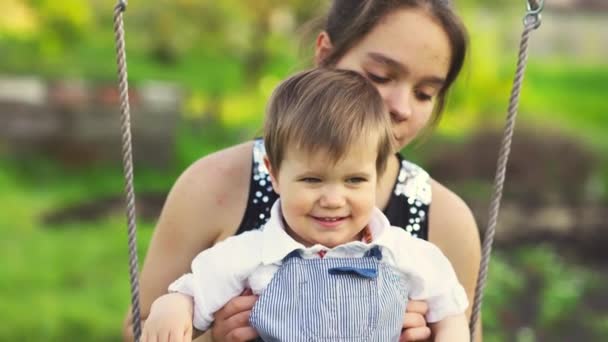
(271, 172)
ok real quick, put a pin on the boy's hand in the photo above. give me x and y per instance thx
(170, 319)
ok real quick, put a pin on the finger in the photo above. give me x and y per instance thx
(177, 335)
(187, 337)
(163, 335)
(150, 337)
(413, 320)
(236, 305)
(417, 306)
(240, 320)
(144, 334)
(172, 336)
(415, 334)
(242, 334)
(223, 328)
(247, 292)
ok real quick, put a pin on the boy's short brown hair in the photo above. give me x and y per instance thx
(328, 110)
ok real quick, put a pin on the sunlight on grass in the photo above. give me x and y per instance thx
(61, 282)
(570, 97)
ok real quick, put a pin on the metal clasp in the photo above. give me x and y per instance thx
(122, 4)
(533, 13)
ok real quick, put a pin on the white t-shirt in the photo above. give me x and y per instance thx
(250, 260)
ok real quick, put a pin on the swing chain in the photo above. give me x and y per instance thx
(533, 13)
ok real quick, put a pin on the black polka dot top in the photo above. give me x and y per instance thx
(408, 206)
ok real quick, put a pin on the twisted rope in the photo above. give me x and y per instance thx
(531, 22)
(127, 161)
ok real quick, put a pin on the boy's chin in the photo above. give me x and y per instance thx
(334, 242)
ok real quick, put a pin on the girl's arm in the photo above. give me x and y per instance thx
(454, 230)
(205, 205)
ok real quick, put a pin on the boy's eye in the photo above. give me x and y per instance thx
(310, 180)
(377, 79)
(356, 180)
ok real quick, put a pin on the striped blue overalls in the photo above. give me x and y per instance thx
(332, 299)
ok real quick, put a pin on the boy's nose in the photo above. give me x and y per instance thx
(332, 198)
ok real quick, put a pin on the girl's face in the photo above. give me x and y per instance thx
(407, 56)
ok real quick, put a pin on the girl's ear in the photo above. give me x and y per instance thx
(323, 47)
(271, 172)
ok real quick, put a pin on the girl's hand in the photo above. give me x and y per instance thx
(414, 324)
(170, 319)
(232, 321)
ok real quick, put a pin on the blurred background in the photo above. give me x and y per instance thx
(200, 73)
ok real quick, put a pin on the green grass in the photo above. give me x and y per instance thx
(65, 283)
(60, 283)
(570, 97)
(70, 281)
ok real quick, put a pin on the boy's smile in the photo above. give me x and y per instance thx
(330, 222)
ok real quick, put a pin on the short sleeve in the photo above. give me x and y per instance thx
(218, 275)
(432, 277)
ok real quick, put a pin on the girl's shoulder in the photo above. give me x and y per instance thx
(214, 189)
(449, 215)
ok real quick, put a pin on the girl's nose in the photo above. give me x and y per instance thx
(399, 105)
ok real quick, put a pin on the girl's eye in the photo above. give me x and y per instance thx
(310, 180)
(422, 96)
(377, 79)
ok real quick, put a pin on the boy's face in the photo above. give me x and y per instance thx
(325, 202)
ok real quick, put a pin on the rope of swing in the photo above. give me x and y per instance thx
(532, 21)
(127, 162)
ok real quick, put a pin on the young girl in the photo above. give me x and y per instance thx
(327, 264)
(412, 51)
